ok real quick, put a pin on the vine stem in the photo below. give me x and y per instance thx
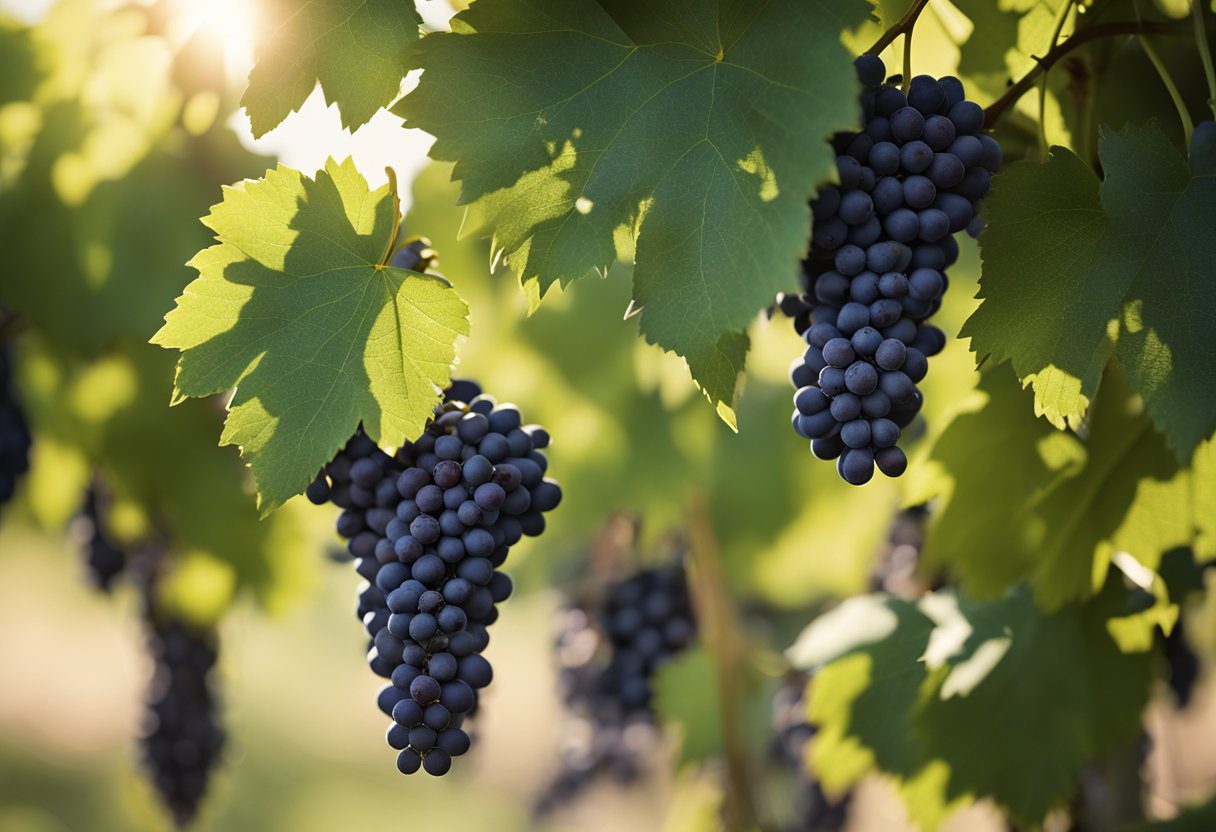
(996, 109)
(721, 634)
(1060, 22)
(1205, 53)
(902, 26)
(907, 60)
(1163, 73)
(1188, 126)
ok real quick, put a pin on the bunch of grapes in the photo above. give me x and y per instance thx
(104, 558)
(608, 654)
(429, 528)
(875, 273)
(183, 739)
(14, 430)
(648, 619)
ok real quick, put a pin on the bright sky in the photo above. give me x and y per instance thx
(306, 138)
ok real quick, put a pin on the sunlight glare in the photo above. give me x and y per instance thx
(231, 24)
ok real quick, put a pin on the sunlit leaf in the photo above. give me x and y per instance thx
(296, 310)
(355, 49)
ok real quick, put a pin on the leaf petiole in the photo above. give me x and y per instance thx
(392, 243)
(1205, 53)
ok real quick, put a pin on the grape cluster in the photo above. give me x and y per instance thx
(648, 619)
(14, 430)
(880, 245)
(608, 653)
(183, 739)
(429, 528)
(104, 559)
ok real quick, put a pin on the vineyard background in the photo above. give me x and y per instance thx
(632, 435)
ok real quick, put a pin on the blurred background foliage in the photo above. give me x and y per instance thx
(115, 137)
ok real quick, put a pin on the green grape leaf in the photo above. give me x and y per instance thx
(1048, 305)
(997, 462)
(1163, 214)
(295, 309)
(865, 655)
(915, 699)
(1024, 501)
(685, 135)
(1065, 692)
(1075, 268)
(356, 50)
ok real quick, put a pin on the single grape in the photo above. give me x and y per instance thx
(968, 117)
(939, 132)
(856, 466)
(856, 434)
(849, 261)
(915, 157)
(891, 461)
(864, 288)
(855, 207)
(908, 123)
(888, 195)
(870, 70)
(919, 192)
(926, 94)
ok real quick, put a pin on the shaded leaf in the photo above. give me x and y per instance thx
(953, 679)
(1074, 269)
(1028, 502)
(584, 131)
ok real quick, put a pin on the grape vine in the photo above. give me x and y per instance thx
(430, 527)
(875, 273)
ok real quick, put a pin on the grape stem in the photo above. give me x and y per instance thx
(907, 60)
(721, 633)
(996, 109)
(1061, 21)
(1205, 54)
(392, 243)
(1163, 73)
(902, 26)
